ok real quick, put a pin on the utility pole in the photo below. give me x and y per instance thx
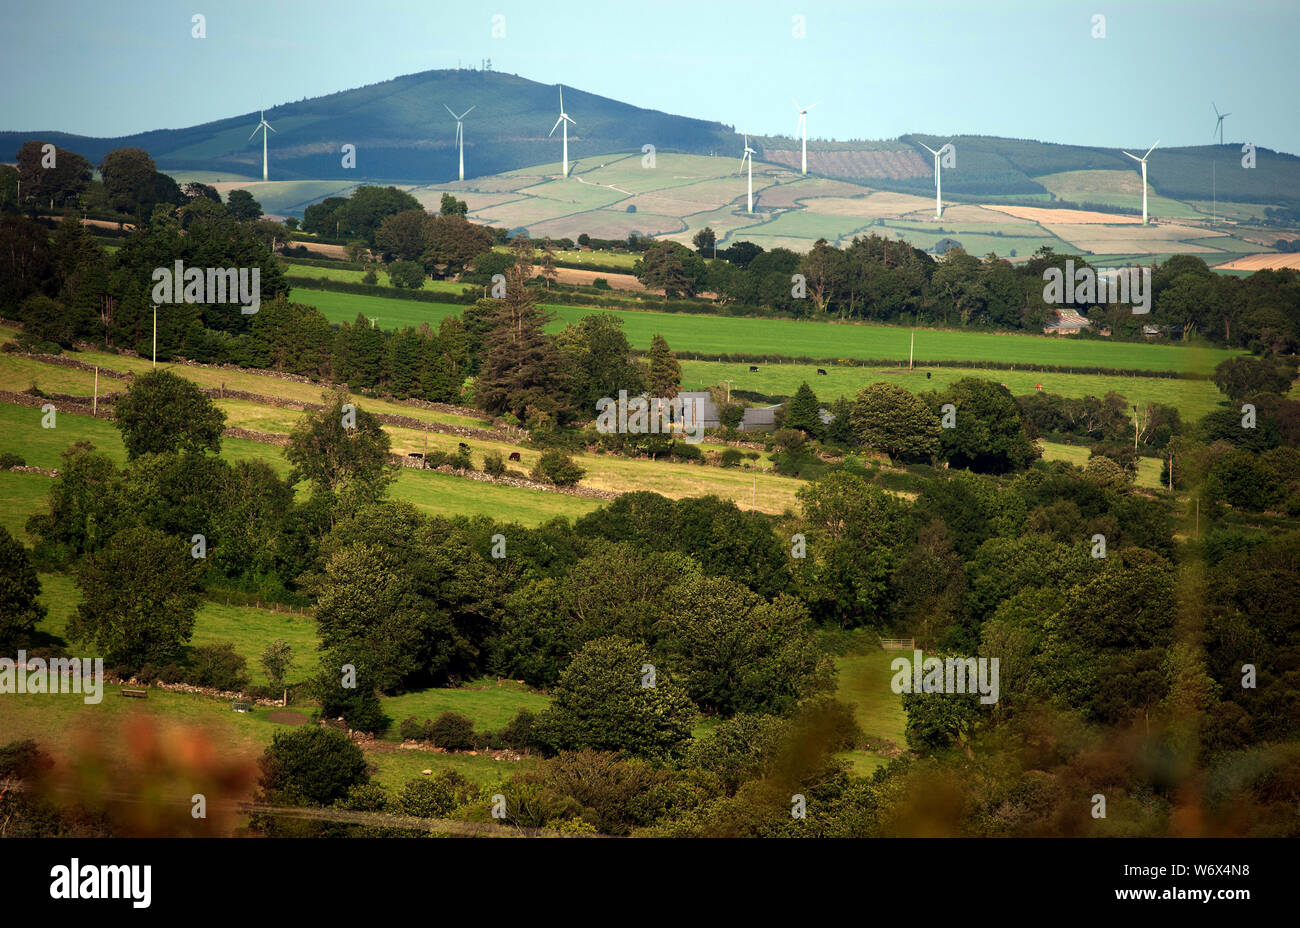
(1135, 429)
(753, 500)
(155, 336)
(424, 458)
(94, 407)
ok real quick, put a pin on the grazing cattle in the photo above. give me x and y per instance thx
(414, 454)
(464, 447)
(753, 369)
(514, 455)
(821, 371)
(927, 375)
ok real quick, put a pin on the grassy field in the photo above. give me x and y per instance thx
(489, 702)
(864, 683)
(726, 335)
(1193, 398)
(247, 627)
(1148, 470)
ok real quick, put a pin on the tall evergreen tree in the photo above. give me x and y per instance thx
(665, 378)
(803, 411)
(522, 366)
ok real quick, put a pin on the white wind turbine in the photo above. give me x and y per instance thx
(1219, 125)
(938, 183)
(1143, 161)
(802, 129)
(564, 120)
(748, 159)
(460, 135)
(262, 127)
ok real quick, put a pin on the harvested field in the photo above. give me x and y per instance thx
(1064, 216)
(894, 165)
(1264, 262)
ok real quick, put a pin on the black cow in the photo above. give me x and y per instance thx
(514, 455)
(464, 447)
(753, 369)
(821, 371)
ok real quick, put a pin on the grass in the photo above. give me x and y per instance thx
(727, 334)
(250, 629)
(490, 703)
(20, 496)
(1148, 469)
(1193, 398)
(864, 683)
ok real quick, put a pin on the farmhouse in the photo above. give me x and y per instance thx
(1067, 322)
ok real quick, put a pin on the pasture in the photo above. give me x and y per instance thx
(1193, 398)
(789, 337)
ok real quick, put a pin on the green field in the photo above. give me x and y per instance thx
(863, 681)
(728, 335)
(1193, 398)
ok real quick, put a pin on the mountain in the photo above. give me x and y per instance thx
(402, 134)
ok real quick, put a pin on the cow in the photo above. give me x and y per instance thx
(514, 455)
(821, 371)
(753, 369)
(927, 375)
(464, 448)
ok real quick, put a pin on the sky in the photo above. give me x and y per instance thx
(880, 68)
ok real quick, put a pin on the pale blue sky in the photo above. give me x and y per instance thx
(1018, 68)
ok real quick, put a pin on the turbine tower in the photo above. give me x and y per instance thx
(802, 129)
(564, 120)
(460, 135)
(747, 159)
(262, 127)
(938, 183)
(1219, 125)
(1143, 161)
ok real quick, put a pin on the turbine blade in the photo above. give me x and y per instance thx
(268, 125)
(928, 148)
(554, 127)
(1150, 150)
(807, 108)
(467, 112)
(1134, 157)
(449, 112)
(250, 138)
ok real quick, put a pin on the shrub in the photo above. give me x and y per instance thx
(218, 666)
(370, 277)
(9, 460)
(730, 457)
(312, 765)
(493, 464)
(520, 733)
(685, 451)
(601, 283)
(556, 467)
(408, 274)
(413, 729)
(452, 731)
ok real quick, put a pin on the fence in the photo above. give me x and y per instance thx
(898, 644)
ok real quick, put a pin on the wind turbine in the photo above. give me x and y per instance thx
(460, 135)
(747, 159)
(1143, 161)
(1219, 125)
(564, 120)
(802, 129)
(262, 127)
(938, 184)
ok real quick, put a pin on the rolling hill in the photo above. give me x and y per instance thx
(402, 134)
